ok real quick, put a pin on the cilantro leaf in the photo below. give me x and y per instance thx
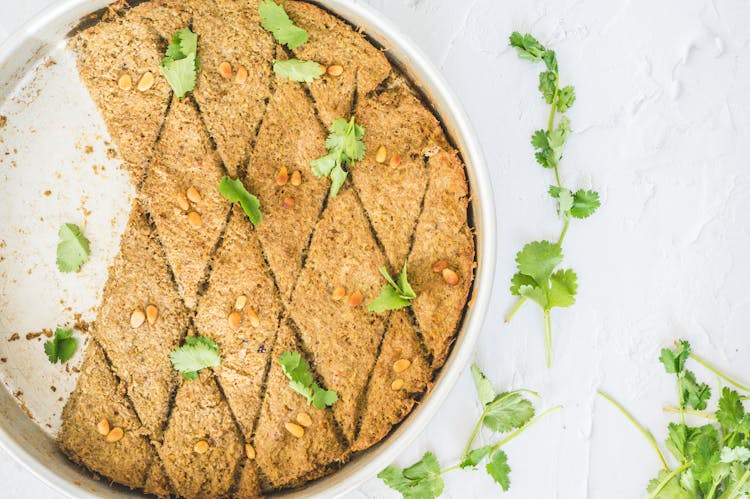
(61, 347)
(737, 454)
(549, 145)
(180, 64)
(73, 249)
(677, 441)
(234, 191)
(566, 96)
(563, 289)
(474, 457)
(538, 259)
(275, 19)
(674, 361)
(198, 352)
(731, 411)
(301, 381)
(485, 390)
(519, 280)
(548, 85)
(528, 47)
(692, 393)
(585, 203)
(420, 481)
(508, 411)
(497, 467)
(297, 70)
(666, 487)
(393, 295)
(344, 144)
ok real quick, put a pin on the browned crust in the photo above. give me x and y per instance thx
(157, 482)
(107, 51)
(384, 406)
(442, 234)
(334, 42)
(201, 413)
(138, 277)
(99, 395)
(185, 158)
(284, 460)
(343, 339)
(290, 137)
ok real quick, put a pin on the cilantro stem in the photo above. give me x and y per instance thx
(712, 491)
(515, 309)
(669, 477)
(646, 433)
(677, 410)
(452, 468)
(564, 231)
(524, 427)
(740, 483)
(721, 375)
(548, 338)
(487, 408)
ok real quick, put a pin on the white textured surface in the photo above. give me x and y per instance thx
(660, 122)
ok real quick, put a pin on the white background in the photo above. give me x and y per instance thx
(661, 123)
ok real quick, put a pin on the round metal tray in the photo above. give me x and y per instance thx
(45, 179)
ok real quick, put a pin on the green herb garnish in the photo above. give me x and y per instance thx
(713, 460)
(73, 249)
(197, 353)
(393, 295)
(301, 381)
(275, 19)
(537, 278)
(234, 191)
(502, 413)
(180, 65)
(61, 347)
(345, 146)
(297, 70)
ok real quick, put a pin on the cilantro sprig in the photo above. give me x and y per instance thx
(275, 19)
(507, 412)
(197, 353)
(713, 460)
(234, 191)
(180, 64)
(345, 146)
(394, 294)
(298, 70)
(73, 249)
(301, 381)
(61, 347)
(537, 278)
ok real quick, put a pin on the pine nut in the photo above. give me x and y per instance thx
(450, 277)
(102, 427)
(288, 202)
(401, 365)
(294, 429)
(296, 178)
(338, 293)
(115, 435)
(395, 160)
(125, 82)
(240, 302)
(249, 451)
(225, 69)
(200, 447)
(381, 154)
(304, 419)
(137, 318)
(146, 81)
(398, 384)
(282, 176)
(439, 266)
(195, 220)
(182, 201)
(252, 316)
(242, 75)
(193, 195)
(234, 320)
(335, 70)
(355, 300)
(152, 313)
